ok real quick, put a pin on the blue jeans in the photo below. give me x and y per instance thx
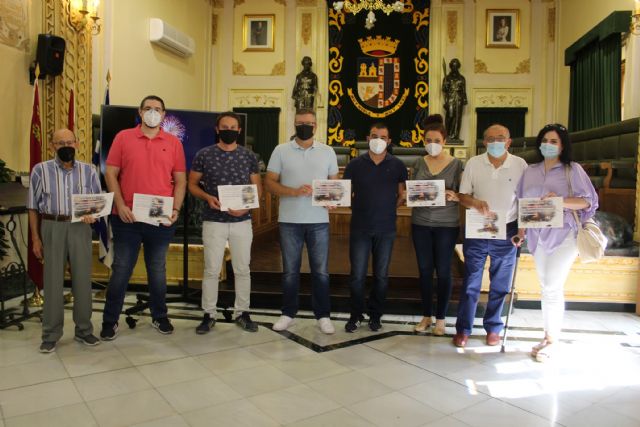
(292, 238)
(434, 250)
(503, 257)
(127, 239)
(380, 245)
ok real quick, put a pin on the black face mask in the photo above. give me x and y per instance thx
(228, 136)
(304, 132)
(66, 154)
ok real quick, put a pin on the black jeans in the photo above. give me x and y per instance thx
(434, 249)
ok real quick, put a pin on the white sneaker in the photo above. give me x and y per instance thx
(283, 323)
(326, 326)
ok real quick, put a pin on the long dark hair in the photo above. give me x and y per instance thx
(565, 155)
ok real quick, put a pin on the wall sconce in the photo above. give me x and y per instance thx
(80, 11)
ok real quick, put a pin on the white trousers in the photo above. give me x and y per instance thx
(553, 270)
(214, 238)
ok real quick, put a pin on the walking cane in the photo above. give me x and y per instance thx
(516, 240)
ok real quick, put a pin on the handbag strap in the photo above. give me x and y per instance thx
(567, 173)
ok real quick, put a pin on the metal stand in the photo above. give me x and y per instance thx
(142, 300)
(13, 274)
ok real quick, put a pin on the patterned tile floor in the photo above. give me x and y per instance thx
(305, 378)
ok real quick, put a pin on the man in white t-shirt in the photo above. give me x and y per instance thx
(488, 184)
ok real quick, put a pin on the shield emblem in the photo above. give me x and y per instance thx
(378, 81)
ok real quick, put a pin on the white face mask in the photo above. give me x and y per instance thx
(433, 148)
(152, 118)
(377, 145)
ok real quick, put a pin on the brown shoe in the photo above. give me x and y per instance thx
(460, 340)
(493, 338)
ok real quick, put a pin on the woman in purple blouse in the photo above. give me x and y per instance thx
(555, 249)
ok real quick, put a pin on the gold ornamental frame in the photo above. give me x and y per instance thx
(258, 33)
(503, 28)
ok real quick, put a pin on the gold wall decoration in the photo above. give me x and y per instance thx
(238, 69)
(551, 24)
(306, 3)
(279, 69)
(306, 28)
(282, 2)
(257, 100)
(237, 2)
(14, 27)
(501, 100)
(214, 28)
(218, 4)
(524, 67)
(479, 67)
(76, 76)
(452, 25)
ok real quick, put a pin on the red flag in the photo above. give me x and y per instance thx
(72, 117)
(35, 157)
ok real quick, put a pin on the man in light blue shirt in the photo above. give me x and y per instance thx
(292, 168)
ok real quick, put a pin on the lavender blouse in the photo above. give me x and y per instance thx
(536, 183)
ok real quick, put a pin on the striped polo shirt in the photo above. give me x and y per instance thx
(51, 186)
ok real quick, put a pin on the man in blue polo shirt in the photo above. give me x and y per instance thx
(292, 168)
(377, 182)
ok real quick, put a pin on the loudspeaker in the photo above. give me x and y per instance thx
(50, 54)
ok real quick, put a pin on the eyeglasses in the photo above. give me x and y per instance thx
(63, 143)
(305, 123)
(555, 126)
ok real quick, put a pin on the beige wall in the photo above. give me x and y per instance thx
(575, 18)
(17, 94)
(139, 68)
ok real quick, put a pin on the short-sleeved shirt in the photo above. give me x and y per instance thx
(438, 216)
(51, 186)
(375, 192)
(298, 166)
(146, 165)
(219, 167)
(496, 186)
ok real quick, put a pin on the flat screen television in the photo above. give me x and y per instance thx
(195, 129)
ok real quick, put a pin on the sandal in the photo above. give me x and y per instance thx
(424, 325)
(543, 351)
(439, 330)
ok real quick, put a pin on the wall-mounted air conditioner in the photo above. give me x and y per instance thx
(170, 38)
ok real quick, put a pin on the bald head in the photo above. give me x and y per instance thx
(496, 129)
(62, 135)
(63, 138)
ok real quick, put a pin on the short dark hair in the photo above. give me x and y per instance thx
(151, 98)
(378, 125)
(565, 155)
(227, 114)
(435, 122)
(303, 111)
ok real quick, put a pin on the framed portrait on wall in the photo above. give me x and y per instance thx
(258, 33)
(503, 28)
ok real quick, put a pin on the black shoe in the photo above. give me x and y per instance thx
(109, 331)
(88, 340)
(245, 322)
(48, 347)
(374, 324)
(163, 325)
(353, 323)
(205, 326)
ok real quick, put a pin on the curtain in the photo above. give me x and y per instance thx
(595, 97)
(262, 129)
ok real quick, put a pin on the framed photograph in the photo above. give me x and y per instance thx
(258, 33)
(503, 28)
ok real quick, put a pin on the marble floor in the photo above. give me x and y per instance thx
(305, 378)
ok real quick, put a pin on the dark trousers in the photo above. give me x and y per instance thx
(127, 239)
(379, 245)
(434, 248)
(292, 239)
(503, 256)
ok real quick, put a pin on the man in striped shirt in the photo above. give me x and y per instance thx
(56, 239)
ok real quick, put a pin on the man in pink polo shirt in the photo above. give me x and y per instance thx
(145, 160)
